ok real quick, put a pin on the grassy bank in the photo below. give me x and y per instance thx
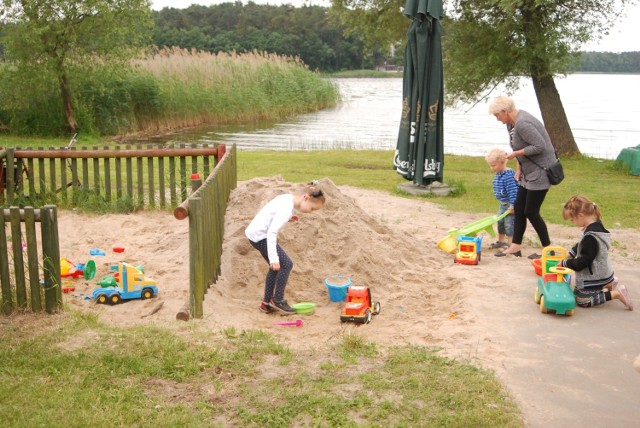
(57, 369)
(613, 188)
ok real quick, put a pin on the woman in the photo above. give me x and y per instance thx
(531, 145)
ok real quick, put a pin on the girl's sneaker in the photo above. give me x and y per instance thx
(266, 308)
(282, 306)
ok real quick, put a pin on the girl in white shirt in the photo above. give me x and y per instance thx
(263, 236)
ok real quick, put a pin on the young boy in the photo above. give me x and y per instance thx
(505, 189)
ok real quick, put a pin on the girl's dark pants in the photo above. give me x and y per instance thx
(276, 281)
(527, 206)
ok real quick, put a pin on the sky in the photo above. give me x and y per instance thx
(624, 37)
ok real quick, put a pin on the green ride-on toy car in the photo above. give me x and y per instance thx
(553, 292)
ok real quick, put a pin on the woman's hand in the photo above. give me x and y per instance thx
(294, 218)
(274, 267)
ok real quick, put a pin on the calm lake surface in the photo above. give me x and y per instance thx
(603, 112)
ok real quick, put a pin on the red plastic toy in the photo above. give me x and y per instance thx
(359, 306)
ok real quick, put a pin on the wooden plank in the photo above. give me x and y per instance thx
(96, 175)
(31, 179)
(52, 176)
(85, 172)
(118, 178)
(150, 184)
(5, 277)
(161, 183)
(172, 181)
(64, 184)
(140, 171)
(107, 178)
(51, 258)
(18, 258)
(129, 177)
(42, 185)
(35, 290)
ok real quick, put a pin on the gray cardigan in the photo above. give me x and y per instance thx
(530, 134)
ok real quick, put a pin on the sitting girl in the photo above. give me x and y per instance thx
(589, 258)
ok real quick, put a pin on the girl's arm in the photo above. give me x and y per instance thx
(589, 248)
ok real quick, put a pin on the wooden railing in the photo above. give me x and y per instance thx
(20, 266)
(206, 208)
(148, 177)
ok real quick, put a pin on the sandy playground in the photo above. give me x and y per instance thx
(563, 371)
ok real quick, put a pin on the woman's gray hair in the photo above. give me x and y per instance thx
(500, 103)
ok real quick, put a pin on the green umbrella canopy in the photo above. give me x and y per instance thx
(419, 152)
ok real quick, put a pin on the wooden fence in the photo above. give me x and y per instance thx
(206, 208)
(145, 176)
(25, 280)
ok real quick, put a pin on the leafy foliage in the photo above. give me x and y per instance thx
(306, 32)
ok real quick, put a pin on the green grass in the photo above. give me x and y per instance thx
(611, 186)
(70, 369)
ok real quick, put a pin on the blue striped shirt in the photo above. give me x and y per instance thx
(505, 186)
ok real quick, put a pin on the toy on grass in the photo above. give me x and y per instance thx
(553, 291)
(469, 250)
(133, 285)
(449, 243)
(359, 307)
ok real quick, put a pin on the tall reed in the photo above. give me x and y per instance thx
(167, 90)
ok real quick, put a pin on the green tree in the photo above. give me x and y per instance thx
(490, 42)
(52, 37)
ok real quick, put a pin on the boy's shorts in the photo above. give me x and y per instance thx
(505, 225)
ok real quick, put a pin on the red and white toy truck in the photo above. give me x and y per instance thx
(359, 306)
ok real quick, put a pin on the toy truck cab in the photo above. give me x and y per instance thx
(553, 291)
(133, 285)
(359, 307)
(469, 250)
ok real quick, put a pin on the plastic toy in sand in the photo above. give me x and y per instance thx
(359, 307)
(469, 250)
(68, 269)
(450, 243)
(553, 292)
(296, 323)
(133, 285)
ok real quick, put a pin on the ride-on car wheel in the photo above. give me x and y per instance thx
(102, 298)
(536, 296)
(543, 308)
(376, 308)
(569, 312)
(115, 299)
(146, 294)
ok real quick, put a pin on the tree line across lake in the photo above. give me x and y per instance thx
(311, 33)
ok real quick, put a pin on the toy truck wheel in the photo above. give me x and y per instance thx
(536, 296)
(115, 299)
(102, 298)
(376, 308)
(367, 317)
(543, 308)
(147, 293)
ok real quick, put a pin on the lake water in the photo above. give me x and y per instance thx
(603, 112)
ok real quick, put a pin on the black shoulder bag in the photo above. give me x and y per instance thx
(555, 173)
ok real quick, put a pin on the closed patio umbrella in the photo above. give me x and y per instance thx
(419, 155)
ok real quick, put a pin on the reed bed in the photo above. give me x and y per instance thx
(168, 89)
(205, 88)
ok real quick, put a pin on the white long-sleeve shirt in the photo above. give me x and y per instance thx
(269, 220)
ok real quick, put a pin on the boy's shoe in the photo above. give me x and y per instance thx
(498, 244)
(282, 306)
(625, 297)
(266, 308)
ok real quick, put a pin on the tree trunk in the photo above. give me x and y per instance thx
(67, 103)
(554, 116)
